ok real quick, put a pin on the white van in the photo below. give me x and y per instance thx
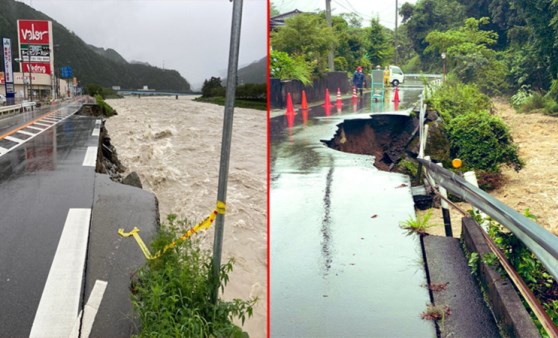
(396, 75)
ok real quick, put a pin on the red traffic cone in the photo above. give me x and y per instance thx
(396, 96)
(290, 109)
(327, 102)
(339, 102)
(304, 104)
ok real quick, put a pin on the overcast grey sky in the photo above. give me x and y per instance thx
(191, 36)
(367, 9)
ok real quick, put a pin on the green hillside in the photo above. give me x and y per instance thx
(256, 72)
(90, 64)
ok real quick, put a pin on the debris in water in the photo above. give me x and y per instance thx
(401, 186)
(374, 216)
(162, 134)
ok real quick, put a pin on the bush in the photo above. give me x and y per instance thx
(483, 142)
(172, 293)
(108, 111)
(455, 98)
(521, 97)
(252, 91)
(285, 67)
(94, 89)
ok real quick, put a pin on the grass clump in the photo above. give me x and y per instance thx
(417, 225)
(172, 294)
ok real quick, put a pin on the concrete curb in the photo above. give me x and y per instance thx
(506, 304)
(470, 315)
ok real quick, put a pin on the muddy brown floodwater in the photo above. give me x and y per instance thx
(536, 185)
(174, 146)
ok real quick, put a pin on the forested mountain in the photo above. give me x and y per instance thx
(90, 64)
(256, 72)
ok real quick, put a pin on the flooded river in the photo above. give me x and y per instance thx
(174, 146)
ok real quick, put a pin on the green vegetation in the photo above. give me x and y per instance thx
(172, 294)
(482, 141)
(469, 55)
(93, 89)
(300, 47)
(284, 67)
(107, 110)
(537, 278)
(418, 224)
(250, 95)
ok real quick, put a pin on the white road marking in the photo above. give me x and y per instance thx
(95, 132)
(43, 124)
(59, 303)
(26, 133)
(36, 128)
(90, 159)
(89, 311)
(3, 150)
(13, 139)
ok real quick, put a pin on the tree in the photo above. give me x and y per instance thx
(306, 35)
(273, 11)
(213, 88)
(468, 53)
(426, 16)
(380, 49)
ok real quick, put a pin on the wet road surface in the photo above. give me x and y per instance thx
(340, 265)
(41, 181)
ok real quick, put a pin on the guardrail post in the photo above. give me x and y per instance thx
(471, 177)
(445, 209)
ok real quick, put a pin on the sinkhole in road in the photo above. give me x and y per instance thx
(386, 137)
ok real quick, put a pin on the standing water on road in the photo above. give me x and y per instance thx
(174, 146)
(340, 264)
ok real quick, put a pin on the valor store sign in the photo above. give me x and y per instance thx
(35, 45)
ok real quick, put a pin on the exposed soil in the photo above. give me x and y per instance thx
(384, 137)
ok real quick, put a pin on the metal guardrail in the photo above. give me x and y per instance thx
(17, 108)
(541, 242)
(437, 76)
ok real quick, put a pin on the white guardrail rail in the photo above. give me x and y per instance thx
(17, 108)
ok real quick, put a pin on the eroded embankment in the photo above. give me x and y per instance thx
(386, 137)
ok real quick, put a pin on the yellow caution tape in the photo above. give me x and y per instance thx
(203, 225)
(221, 207)
(138, 239)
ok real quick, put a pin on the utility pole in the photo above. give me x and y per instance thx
(395, 32)
(330, 64)
(225, 148)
